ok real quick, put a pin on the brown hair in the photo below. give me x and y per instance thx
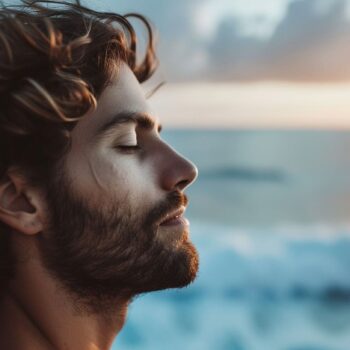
(54, 64)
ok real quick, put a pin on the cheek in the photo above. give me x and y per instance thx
(126, 180)
(136, 179)
(99, 175)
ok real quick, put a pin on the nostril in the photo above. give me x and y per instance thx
(182, 184)
(192, 174)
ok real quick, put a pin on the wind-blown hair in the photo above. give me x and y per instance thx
(56, 58)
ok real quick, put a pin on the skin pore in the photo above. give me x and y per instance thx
(90, 240)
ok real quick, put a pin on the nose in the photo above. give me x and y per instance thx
(177, 172)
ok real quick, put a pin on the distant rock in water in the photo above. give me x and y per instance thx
(336, 294)
(247, 174)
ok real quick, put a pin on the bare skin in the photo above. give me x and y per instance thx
(37, 313)
(34, 320)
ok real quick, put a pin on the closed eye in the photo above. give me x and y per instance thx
(128, 147)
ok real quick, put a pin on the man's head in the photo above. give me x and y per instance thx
(84, 174)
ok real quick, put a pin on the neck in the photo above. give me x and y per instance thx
(36, 313)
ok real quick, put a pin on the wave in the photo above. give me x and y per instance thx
(292, 263)
(263, 289)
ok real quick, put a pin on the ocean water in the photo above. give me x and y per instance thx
(270, 218)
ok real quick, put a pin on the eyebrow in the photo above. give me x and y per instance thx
(142, 120)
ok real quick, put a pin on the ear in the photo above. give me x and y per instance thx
(21, 207)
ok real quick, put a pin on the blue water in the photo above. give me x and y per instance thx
(270, 217)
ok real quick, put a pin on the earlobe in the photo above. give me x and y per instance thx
(20, 206)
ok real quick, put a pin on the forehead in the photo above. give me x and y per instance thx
(123, 95)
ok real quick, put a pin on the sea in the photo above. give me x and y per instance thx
(270, 217)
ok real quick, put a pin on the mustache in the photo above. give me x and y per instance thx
(173, 201)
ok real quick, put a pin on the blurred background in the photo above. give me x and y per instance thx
(257, 95)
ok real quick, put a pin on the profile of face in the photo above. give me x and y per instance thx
(115, 203)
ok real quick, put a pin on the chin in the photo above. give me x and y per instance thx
(185, 266)
(181, 268)
(192, 263)
(187, 262)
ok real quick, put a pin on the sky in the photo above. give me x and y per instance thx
(258, 105)
(248, 63)
(249, 40)
(251, 64)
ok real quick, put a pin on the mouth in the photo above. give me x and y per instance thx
(175, 218)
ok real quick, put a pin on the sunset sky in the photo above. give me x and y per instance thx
(255, 105)
(249, 63)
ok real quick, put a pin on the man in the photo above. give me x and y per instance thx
(91, 198)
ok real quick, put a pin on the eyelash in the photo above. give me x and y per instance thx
(126, 148)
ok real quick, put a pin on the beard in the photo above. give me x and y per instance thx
(110, 252)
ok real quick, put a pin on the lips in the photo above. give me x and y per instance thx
(173, 217)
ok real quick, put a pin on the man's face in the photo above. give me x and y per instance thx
(107, 201)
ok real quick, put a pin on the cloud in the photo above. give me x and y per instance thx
(311, 43)
(179, 47)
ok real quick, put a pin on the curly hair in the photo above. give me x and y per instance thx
(54, 64)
